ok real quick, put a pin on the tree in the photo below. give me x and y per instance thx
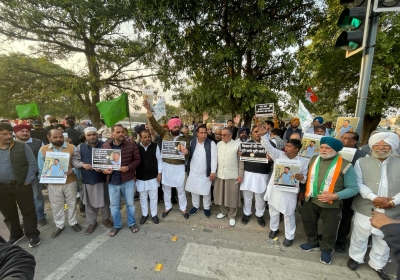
(25, 79)
(235, 54)
(115, 57)
(335, 79)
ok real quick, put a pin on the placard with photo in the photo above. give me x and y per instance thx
(285, 170)
(171, 149)
(310, 145)
(345, 124)
(106, 159)
(55, 166)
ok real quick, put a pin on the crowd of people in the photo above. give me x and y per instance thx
(344, 195)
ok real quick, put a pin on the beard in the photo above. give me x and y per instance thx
(243, 138)
(327, 155)
(57, 143)
(381, 154)
(92, 141)
(175, 132)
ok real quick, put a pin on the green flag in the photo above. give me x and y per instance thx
(27, 110)
(114, 110)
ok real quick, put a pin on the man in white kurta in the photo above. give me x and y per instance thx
(281, 201)
(148, 175)
(377, 178)
(255, 180)
(203, 165)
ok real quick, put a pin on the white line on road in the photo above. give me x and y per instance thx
(77, 257)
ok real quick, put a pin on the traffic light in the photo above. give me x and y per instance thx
(386, 5)
(354, 19)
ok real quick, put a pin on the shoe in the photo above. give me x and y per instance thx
(273, 234)
(340, 247)
(143, 219)
(16, 240)
(245, 219)
(34, 242)
(287, 242)
(220, 216)
(76, 227)
(207, 213)
(308, 248)
(42, 222)
(165, 213)
(186, 215)
(232, 222)
(352, 264)
(155, 219)
(90, 229)
(107, 223)
(325, 257)
(193, 211)
(57, 232)
(383, 274)
(261, 221)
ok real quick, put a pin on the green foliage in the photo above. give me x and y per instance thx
(25, 79)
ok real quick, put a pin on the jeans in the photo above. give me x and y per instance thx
(38, 198)
(127, 189)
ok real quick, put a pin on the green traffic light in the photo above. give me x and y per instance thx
(348, 21)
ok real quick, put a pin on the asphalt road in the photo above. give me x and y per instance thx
(207, 248)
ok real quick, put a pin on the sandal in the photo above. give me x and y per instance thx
(113, 232)
(134, 228)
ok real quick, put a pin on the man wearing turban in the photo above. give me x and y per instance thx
(317, 122)
(173, 170)
(330, 180)
(378, 180)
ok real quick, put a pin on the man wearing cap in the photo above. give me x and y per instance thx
(18, 168)
(94, 193)
(39, 132)
(316, 122)
(379, 190)
(281, 201)
(59, 194)
(173, 170)
(294, 124)
(330, 180)
(23, 134)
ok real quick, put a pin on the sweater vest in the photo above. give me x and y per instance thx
(35, 146)
(69, 149)
(207, 147)
(19, 162)
(90, 177)
(256, 167)
(339, 185)
(371, 175)
(148, 167)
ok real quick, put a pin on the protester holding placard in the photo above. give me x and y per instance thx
(280, 200)
(173, 175)
(61, 193)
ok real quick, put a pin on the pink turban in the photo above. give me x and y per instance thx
(174, 122)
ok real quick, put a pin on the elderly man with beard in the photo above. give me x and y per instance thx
(281, 201)
(255, 179)
(94, 192)
(59, 194)
(244, 133)
(294, 124)
(173, 170)
(330, 180)
(378, 177)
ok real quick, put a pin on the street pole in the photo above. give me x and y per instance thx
(365, 72)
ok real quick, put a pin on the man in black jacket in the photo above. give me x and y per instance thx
(73, 134)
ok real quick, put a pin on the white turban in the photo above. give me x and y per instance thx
(90, 129)
(389, 137)
(46, 117)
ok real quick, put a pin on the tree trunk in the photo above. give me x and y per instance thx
(94, 78)
(370, 124)
(247, 118)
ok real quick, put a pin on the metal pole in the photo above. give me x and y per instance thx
(366, 64)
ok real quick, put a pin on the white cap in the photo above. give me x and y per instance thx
(46, 117)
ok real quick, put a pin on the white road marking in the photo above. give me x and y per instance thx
(77, 257)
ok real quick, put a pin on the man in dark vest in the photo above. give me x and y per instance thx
(94, 193)
(349, 140)
(377, 178)
(148, 175)
(255, 179)
(122, 181)
(202, 168)
(18, 168)
(23, 134)
(330, 180)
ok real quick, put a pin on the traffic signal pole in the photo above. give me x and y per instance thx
(366, 67)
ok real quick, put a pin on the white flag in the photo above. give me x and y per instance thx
(305, 117)
(159, 109)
